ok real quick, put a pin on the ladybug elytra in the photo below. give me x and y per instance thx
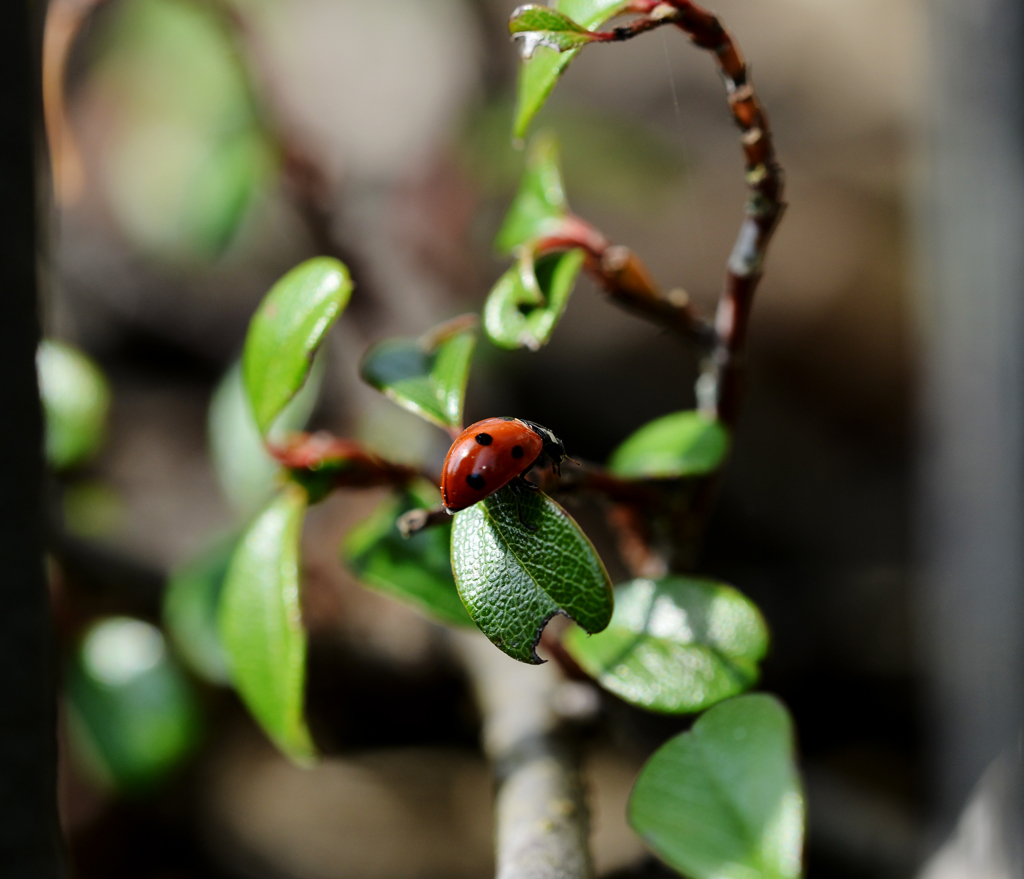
(490, 454)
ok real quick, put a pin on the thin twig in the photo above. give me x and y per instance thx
(764, 178)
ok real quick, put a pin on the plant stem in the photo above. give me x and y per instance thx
(542, 825)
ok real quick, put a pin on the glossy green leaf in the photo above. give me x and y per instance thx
(417, 570)
(526, 304)
(513, 579)
(724, 799)
(286, 331)
(132, 715)
(540, 204)
(76, 401)
(541, 71)
(427, 375)
(671, 447)
(676, 645)
(246, 471)
(191, 609)
(544, 26)
(261, 623)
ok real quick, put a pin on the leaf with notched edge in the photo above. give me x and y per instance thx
(513, 580)
(676, 645)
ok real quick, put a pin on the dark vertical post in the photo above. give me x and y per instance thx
(971, 504)
(29, 836)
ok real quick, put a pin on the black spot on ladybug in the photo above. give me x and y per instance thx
(476, 482)
(485, 439)
(517, 451)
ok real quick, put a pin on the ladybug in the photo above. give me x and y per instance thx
(491, 454)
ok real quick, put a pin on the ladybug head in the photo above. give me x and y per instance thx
(553, 447)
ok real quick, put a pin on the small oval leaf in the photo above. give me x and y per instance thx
(676, 645)
(286, 331)
(672, 447)
(524, 307)
(417, 570)
(261, 623)
(190, 611)
(724, 799)
(76, 401)
(539, 73)
(132, 714)
(540, 204)
(427, 375)
(513, 580)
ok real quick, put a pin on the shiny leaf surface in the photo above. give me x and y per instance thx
(544, 26)
(524, 307)
(671, 447)
(427, 375)
(417, 570)
(539, 73)
(677, 645)
(286, 331)
(540, 204)
(132, 715)
(261, 623)
(76, 402)
(513, 580)
(724, 799)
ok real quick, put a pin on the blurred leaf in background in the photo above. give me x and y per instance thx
(186, 155)
(415, 570)
(609, 160)
(76, 402)
(245, 469)
(132, 714)
(725, 799)
(190, 611)
(674, 446)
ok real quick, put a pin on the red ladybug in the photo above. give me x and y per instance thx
(492, 453)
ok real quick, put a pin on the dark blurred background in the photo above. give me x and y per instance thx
(872, 507)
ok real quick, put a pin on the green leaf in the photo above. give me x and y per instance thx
(261, 623)
(526, 304)
(417, 570)
(544, 26)
(246, 471)
(672, 447)
(427, 375)
(513, 580)
(286, 331)
(190, 611)
(133, 717)
(539, 73)
(724, 800)
(539, 205)
(76, 400)
(677, 645)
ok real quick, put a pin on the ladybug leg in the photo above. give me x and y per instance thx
(517, 487)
